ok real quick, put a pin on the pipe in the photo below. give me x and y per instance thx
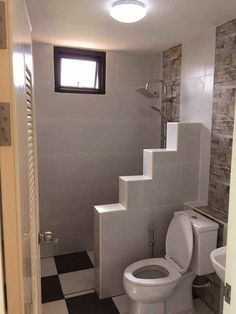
(151, 241)
(205, 285)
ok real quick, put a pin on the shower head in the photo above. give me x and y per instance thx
(147, 93)
(155, 108)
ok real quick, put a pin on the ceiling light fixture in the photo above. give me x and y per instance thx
(128, 11)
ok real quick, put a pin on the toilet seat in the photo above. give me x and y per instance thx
(171, 274)
(179, 250)
(179, 242)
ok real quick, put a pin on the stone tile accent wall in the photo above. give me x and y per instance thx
(223, 115)
(172, 71)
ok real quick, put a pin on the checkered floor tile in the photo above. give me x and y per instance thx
(72, 262)
(90, 303)
(68, 286)
(51, 289)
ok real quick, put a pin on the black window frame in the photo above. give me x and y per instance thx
(83, 54)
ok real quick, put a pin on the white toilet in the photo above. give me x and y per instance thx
(164, 285)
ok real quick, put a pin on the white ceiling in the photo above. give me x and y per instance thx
(87, 23)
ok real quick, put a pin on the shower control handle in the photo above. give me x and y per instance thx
(151, 236)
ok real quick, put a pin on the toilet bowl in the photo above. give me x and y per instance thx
(141, 277)
(164, 285)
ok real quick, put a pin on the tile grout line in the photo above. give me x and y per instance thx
(92, 289)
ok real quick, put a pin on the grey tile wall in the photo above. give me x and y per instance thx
(86, 141)
(223, 115)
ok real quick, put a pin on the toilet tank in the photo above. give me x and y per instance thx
(205, 239)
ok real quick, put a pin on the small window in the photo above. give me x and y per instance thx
(79, 71)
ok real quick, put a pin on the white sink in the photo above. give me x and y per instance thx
(218, 259)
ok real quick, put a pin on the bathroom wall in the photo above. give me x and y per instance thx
(223, 115)
(196, 102)
(196, 96)
(171, 70)
(207, 89)
(86, 141)
(208, 83)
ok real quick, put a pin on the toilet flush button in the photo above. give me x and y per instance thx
(194, 217)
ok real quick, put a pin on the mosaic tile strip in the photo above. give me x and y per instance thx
(171, 71)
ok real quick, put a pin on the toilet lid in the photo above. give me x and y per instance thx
(179, 241)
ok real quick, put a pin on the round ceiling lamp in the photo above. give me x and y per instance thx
(128, 11)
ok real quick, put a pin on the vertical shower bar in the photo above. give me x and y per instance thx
(164, 123)
(151, 241)
(149, 94)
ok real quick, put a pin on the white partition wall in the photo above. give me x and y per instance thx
(170, 178)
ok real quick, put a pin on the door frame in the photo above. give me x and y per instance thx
(16, 298)
(9, 190)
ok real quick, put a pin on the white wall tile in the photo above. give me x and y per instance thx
(166, 157)
(198, 55)
(172, 136)
(197, 78)
(97, 251)
(165, 188)
(190, 182)
(189, 142)
(123, 231)
(132, 192)
(112, 271)
(147, 163)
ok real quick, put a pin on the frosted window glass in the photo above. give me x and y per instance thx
(79, 73)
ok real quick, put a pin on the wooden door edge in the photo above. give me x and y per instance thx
(10, 200)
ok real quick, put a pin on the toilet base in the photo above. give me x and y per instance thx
(141, 308)
(181, 302)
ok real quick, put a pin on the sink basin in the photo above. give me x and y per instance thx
(218, 259)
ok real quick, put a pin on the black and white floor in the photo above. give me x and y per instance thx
(68, 288)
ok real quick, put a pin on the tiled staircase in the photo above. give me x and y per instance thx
(170, 178)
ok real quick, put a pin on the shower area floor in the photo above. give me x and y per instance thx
(68, 288)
